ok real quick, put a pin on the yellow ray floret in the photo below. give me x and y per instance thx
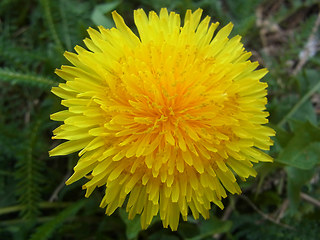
(165, 120)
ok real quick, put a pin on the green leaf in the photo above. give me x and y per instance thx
(212, 226)
(296, 179)
(242, 9)
(306, 113)
(47, 229)
(98, 15)
(264, 170)
(307, 79)
(161, 235)
(303, 149)
(298, 105)
(132, 226)
(281, 139)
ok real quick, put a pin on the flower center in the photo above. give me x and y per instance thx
(167, 94)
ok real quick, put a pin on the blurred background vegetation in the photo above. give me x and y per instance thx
(281, 203)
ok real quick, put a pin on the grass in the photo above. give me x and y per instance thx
(281, 203)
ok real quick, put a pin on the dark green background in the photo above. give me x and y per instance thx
(281, 203)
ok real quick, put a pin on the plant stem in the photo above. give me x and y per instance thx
(16, 208)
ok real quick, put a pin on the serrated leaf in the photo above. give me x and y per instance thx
(48, 18)
(281, 139)
(14, 77)
(296, 179)
(303, 149)
(29, 174)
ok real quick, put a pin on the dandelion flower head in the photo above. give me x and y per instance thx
(165, 120)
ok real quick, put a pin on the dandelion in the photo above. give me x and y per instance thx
(165, 121)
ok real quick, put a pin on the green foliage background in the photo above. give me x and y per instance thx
(281, 203)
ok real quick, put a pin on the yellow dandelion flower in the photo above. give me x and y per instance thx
(165, 120)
